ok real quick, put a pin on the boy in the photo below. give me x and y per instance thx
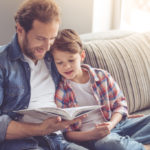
(83, 85)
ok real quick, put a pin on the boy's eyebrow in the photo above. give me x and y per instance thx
(57, 59)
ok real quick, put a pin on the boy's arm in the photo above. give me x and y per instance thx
(115, 119)
(97, 133)
(118, 103)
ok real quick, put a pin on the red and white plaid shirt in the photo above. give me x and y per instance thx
(105, 90)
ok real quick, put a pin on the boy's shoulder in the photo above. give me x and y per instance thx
(95, 71)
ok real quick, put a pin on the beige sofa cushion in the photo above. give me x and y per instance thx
(128, 60)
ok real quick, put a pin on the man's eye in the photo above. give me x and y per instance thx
(39, 38)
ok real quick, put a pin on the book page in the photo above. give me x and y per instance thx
(56, 112)
(84, 109)
(39, 115)
(33, 116)
(66, 113)
(93, 118)
(69, 113)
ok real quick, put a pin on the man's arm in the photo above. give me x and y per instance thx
(17, 130)
(4, 122)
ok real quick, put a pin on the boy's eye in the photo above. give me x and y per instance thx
(71, 60)
(58, 63)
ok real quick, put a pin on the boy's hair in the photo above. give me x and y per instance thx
(67, 40)
(41, 10)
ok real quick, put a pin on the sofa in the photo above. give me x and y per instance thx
(126, 56)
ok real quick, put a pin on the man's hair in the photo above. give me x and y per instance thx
(67, 40)
(41, 10)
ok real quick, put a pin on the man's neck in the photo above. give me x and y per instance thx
(27, 57)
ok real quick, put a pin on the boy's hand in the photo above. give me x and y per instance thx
(100, 131)
(135, 116)
(108, 124)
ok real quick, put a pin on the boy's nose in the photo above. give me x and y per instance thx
(66, 66)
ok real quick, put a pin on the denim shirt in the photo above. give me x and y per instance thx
(15, 82)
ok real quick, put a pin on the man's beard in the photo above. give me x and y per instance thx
(28, 51)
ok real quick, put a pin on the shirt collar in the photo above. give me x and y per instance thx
(15, 51)
(91, 71)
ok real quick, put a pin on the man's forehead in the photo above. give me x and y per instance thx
(37, 23)
(47, 30)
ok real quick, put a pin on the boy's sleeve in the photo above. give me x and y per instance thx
(60, 95)
(117, 100)
(62, 100)
(111, 95)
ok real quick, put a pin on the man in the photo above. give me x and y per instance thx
(28, 78)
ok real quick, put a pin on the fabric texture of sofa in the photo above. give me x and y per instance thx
(126, 56)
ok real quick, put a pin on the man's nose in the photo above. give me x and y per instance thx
(48, 44)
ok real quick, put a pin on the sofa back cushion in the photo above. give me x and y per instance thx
(127, 59)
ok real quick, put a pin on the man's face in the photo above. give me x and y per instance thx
(37, 41)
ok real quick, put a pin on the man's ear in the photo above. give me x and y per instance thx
(82, 55)
(19, 29)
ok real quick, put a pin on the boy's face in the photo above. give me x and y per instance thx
(37, 41)
(69, 64)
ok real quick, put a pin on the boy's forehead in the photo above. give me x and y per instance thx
(62, 54)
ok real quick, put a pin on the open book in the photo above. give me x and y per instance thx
(37, 115)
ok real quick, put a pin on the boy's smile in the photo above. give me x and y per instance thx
(68, 72)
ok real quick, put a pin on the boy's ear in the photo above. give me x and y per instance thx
(82, 55)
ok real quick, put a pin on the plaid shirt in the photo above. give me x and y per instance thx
(105, 90)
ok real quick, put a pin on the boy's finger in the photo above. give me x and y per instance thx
(135, 116)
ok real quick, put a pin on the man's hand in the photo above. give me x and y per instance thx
(56, 123)
(17, 130)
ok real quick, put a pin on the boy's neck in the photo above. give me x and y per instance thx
(83, 77)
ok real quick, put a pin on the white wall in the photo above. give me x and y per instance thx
(77, 14)
(7, 24)
(86, 16)
(102, 15)
(83, 16)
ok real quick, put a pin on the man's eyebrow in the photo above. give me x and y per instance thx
(39, 36)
